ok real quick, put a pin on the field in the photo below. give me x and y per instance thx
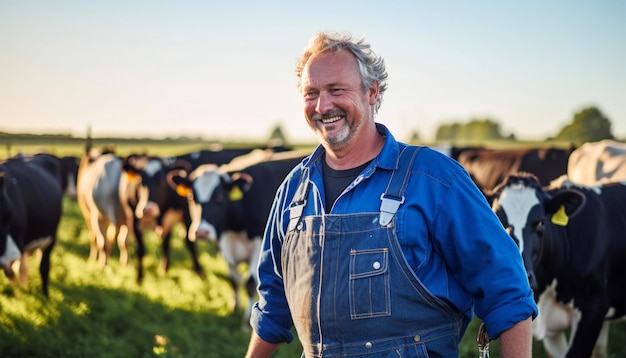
(101, 312)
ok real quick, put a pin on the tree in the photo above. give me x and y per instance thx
(588, 125)
(277, 137)
(476, 129)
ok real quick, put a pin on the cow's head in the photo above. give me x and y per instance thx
(147, 177)
(531, 215)
(213, 196)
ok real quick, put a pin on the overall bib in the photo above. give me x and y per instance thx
(350, 290)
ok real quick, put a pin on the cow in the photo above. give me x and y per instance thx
(598, 162)
(573, 243)
(30, 211)
(231, 205)
(69, 175)
(489, 167)
(150, 201)
(69, 171)
(98, 199)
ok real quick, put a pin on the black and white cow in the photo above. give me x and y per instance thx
(30, 210)
(598, 162)
(150, 201)
(232, 207)
(573, 242)
(99, 202)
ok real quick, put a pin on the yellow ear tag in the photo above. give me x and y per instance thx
(235, 194)
(183, 190)
(560, 217)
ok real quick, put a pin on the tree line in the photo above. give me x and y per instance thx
(588, 125)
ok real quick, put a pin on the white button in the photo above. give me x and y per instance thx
(376, 265)
(368, 345)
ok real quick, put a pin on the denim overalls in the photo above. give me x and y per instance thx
(350, 289)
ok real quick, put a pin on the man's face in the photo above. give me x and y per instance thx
(335, 106)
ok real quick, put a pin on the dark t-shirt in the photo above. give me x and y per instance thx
(336, 181)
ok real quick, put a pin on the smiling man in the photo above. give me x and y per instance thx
(374, 247)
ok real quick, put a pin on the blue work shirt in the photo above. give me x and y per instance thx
(449, 235)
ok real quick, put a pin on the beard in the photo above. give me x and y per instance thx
(339, 138)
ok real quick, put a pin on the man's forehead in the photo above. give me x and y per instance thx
(329, 69)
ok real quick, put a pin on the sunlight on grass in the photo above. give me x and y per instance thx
(96, 311)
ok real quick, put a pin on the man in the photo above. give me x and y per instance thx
(374, 247)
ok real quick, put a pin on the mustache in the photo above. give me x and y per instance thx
(333, 113)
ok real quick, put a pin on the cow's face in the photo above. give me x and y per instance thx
(520, 207)
(209, 195)
(146, 175)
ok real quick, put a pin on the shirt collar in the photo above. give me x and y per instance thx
(386, 159)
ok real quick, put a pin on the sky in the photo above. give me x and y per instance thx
(226, 69)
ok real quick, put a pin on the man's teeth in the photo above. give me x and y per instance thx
(331, 119)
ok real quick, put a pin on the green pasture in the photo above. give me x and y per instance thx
(101, 312)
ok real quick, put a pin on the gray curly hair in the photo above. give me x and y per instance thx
(371, 66)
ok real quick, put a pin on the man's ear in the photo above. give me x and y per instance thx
(373, 93)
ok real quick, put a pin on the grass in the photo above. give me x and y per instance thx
(101, 312)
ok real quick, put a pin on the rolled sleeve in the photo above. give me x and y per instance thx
(486, 261)
(267, 329)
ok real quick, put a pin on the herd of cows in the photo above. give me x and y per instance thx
(565, 208)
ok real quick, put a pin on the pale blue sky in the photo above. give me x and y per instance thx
(226, 69)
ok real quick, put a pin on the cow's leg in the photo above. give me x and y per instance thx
(100, 227)
(235, 282)
(169, 219)
(585, 335)
(165, 251)
(22, 269)
(600, 350)
(93, 238)
(141, 249)
(44, 266)
(191, 246)
(122, 243)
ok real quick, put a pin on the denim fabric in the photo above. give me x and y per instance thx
(449, 241)
(351, 293)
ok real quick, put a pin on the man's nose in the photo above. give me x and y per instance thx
(324, 103)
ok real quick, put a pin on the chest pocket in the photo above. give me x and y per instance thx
(369, 283)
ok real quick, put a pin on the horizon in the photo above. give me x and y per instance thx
(158, 69)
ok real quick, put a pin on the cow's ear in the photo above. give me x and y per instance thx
(131, 175)
(181, 184)
(179, 181)
(565, 204)
(184, 190)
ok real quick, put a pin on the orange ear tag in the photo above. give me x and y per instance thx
(183, 190)
(560, 217)
(132, 177)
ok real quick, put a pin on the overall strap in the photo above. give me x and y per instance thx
(299, 200)
(393, 196)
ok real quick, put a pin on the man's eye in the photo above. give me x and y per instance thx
(310, 95)
(336, 90)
